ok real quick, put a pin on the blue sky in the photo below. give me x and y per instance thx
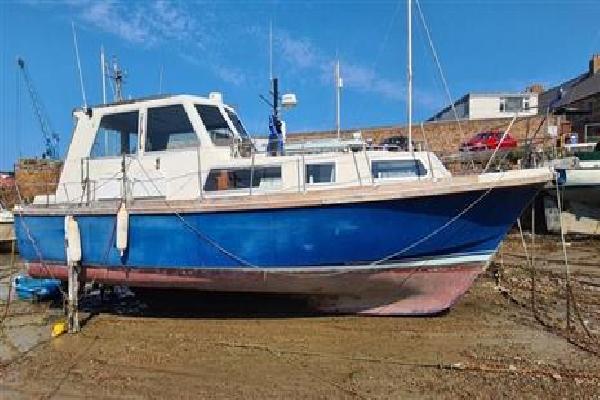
(223, 45)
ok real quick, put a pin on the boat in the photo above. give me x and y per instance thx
(169, 192)
(578, 180)
(28, 288)
(370, 231)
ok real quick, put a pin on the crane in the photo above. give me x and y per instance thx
(50, 137)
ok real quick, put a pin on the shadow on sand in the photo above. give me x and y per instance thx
(162, 303)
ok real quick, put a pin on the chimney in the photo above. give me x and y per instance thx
(595, 64)
(535, 88)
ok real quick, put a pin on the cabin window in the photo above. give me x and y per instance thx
(116, 135)
(320, 173)
(237, 123)
(169, 128)
(215, 124)
(243, 178)
(382, 169)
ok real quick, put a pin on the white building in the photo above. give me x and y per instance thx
(490, 105)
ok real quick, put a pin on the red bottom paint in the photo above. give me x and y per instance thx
(392, 291)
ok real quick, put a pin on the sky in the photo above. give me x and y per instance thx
(496, 45)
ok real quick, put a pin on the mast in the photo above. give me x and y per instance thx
(79, 65)
(271, 50)
(409, 73)
(103, 74)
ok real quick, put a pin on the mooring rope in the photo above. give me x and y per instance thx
(436, 231)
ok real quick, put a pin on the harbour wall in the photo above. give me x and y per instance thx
(443, 137)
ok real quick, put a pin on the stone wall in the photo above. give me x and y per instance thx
(444, 137)
(37, 177)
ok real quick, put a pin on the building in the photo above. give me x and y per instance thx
(7, 180)
(578, 100)
(474, 106)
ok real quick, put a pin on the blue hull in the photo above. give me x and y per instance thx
(330, 235)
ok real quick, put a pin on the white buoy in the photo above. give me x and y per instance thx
(122, 229)
(73, 239)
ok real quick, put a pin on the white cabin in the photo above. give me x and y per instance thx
(186, 147)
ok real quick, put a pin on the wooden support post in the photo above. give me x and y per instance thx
(73, 301)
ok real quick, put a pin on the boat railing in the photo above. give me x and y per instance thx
(257, 175)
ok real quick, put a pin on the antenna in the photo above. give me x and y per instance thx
(117, 75)
(103, 74)
(160, 80)
(271, 50)
(79, 65)
(338, 92)
(409, 73)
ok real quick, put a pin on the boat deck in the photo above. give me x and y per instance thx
(353, 194)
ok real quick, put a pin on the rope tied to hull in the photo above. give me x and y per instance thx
(436, 231)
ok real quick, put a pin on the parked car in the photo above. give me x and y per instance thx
(395, 143)
(489, 141)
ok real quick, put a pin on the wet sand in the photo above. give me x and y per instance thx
(489, 346)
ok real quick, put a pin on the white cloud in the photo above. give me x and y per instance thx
(230, 75)
(143, 23)
(303, 54)
(299, 53)
(115, 19)
(365, 79)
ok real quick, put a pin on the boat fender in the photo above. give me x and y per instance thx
(73, 239)
(122, 229)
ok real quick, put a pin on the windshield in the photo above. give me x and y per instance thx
(238, 124)
(215, 124)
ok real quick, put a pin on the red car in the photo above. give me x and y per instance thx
(488, 141)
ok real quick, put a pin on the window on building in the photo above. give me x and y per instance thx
(511, 104)
(243, 178)
(169, 128)
(320, 173)
(116, 135)
(215, 124)
(385, 169)
(526, 106)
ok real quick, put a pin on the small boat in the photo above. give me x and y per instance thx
(28, 288)
(578, 178)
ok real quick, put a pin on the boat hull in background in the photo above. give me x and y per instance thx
(580, 196)
(7, 232)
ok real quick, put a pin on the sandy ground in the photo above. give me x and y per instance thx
(490, 345)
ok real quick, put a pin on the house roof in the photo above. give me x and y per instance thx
(573, 90)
